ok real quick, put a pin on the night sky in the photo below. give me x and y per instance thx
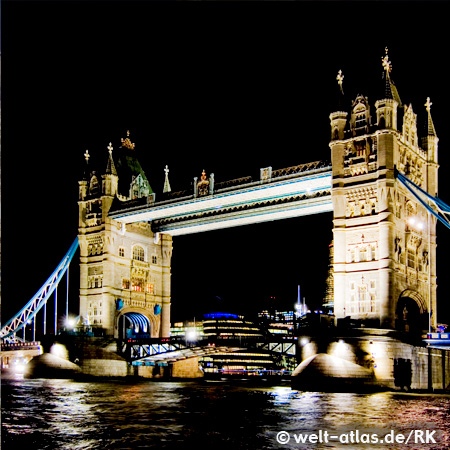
(228, 88)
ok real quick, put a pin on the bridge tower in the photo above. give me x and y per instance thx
(124, 268)
(384, 239)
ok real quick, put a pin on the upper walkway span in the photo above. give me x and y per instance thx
(280, 194)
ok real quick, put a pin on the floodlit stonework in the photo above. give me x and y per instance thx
(384, 239)
(124, 268)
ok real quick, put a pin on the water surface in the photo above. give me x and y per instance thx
(63, 414)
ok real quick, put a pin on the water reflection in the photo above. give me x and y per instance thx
(62, 414)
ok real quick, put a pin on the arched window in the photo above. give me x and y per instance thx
(138, 253)
(94, 186)
(363, 254)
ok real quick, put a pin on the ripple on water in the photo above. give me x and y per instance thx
(63, 414)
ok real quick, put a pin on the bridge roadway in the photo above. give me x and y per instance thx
(280, 194)
(165, 350)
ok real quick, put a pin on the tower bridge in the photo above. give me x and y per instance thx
(381, 185)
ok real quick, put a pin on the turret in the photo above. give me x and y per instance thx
(338, 122)
(338, 118)
(82, 185)
(110, 179)
(430, 145)
(387, 107)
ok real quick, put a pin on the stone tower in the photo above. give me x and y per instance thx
(384, 239)
(124, 269)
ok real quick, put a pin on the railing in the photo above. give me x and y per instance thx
(223, 185)
(267, 176)
(300, 168)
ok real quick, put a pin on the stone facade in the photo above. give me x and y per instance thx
(384, 239)
(394, 364)
(124, 269)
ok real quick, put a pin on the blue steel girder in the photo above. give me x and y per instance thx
(433, 205)
(30, 310)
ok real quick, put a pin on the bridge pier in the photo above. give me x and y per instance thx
(389, 362)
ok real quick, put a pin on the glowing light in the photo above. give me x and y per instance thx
(304, 341)
(191, 335)
(59, 350)
(411, 220)
(19, 367)
(70, 323)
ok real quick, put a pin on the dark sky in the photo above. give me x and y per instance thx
(228, 88)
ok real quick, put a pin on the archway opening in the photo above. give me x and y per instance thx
(409, 318)
(134, 325)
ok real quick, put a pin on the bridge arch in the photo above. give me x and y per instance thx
(135, 321)
(411, 312)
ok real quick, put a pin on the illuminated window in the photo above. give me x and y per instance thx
(121, 252)
(150, 288)
(126, 284)
(138, 253)
(137, 284)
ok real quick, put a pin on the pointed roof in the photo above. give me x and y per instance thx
(431, 131)
(110, 168)
(166, 181)
(390, 90)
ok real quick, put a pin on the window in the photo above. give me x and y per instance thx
(138, 253)
(360, 122)
(121, 252)
(411, 258)
(363, 254)
(125, 284)
(150, 288)
(138, 284)
(154, 259)
(362, 293)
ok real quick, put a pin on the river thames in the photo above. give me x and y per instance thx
(63, 414)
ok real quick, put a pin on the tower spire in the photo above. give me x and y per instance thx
(166, 181)
(430, 124)
(387, 65)
(86, 165)
(110, 168)
(340, 80)
(390, 91)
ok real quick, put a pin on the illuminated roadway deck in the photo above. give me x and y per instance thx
(291, 192)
